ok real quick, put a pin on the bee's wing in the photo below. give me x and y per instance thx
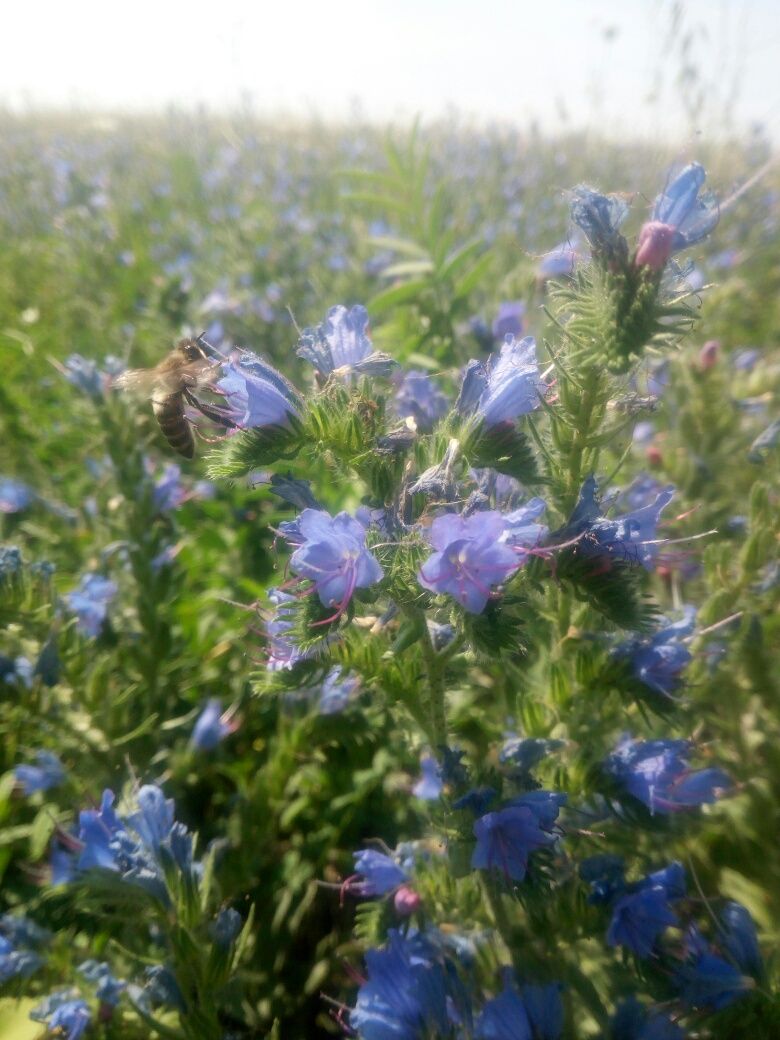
(138, 380)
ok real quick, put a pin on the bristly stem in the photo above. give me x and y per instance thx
(434, 671)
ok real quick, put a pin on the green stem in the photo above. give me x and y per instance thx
(493, 893)
(435, 665)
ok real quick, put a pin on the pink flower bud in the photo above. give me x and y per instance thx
(655, 245)
(653, 455)
(406, 901)
(708, 355)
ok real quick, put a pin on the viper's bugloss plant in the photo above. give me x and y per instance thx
(459, 671)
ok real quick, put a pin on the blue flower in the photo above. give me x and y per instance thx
(333, 555)
(691, 215)
(16, 963)
(226, 927)
(469, 559)
(544, 1007)
(14, 496)
(429, 786)
(738, 938)
(506, 388)
(283, 652)
(341, 344)
(639, 918)
(628, 537)
(606, 875)
(381, 873)
(477, 800)
(633, 1021)
(509, 320)
(211, 728)
(16, 670)
(406, 996)
(257, 395)
(504, 1018)
(559, 262)
(418, 396)
(48, 772)
(599, 217)
(162, 987)
(658, 662)
(526, 752)
(168, 492)
(709, 982)
(89, 602)
(336, 691)
(506, 838)
(63, 1012)
(154, 819)
(656, 772)
(108, 988)
(85, 375)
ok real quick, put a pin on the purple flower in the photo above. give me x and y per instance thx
(504, 389)
(85, 375)
(108, 988)
(16, 963)
(628, 537)
(418, 396)
(409, 993)
(707, 981)
(342, 344)
(559, 262)
(429, 786)
(680, 218)
(659, 661)
(380, 872)
(469, 558)
(656, 772)
(504, 1018)
(283, 652)
(168, 492)
(333, 555)
(544, 1007)
(639, 918)
(48, 772)
(737, 936)
(520, 528)
(69, 1017)
(89, 602)
(211, 727)
(154, 819)
(14, 496)
(526, 752)
(509, 320)
(691, 215)
(633, 1021)
(599, 217)
(336, 691)
(506, 838)
(257, 395)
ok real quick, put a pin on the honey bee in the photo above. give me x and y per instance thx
(171, 385)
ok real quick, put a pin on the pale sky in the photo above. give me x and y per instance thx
(560, 62)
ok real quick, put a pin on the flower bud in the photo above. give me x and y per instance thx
(406, 901)
(708, 355)
(653, 455)
(655, 245)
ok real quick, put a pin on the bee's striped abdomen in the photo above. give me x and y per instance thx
(169, 413)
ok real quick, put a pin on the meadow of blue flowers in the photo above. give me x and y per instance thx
(437, 697)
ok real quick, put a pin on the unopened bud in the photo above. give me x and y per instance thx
(708, 355)
(406, 901)
(655, 245)
(653, 455)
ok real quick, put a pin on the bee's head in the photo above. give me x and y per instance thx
(191, 350)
